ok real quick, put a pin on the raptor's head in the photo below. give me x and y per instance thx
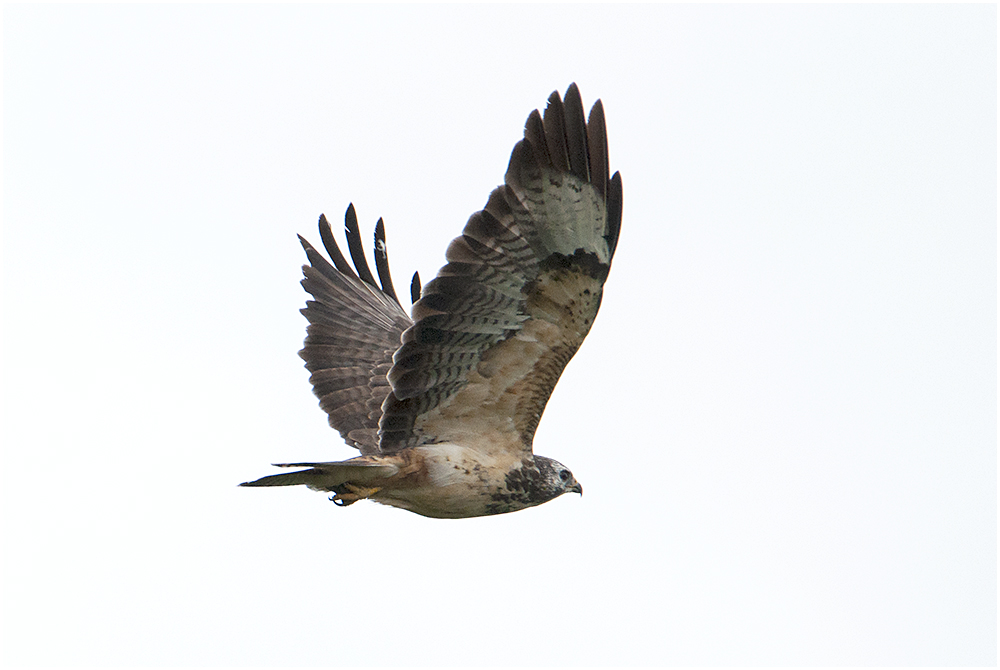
(532, 482)
(556, 479)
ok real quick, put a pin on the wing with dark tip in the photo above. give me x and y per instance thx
(354, 329)
(415, 288)
(382, 261)
(497, 326)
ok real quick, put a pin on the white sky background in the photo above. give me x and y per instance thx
(784, 418)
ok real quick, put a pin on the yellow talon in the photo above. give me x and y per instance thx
(362, 492)
(356, 493)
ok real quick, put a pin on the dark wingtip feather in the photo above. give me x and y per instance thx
(576, 133)
(597, 144)
(415, 287)
(382, 262)
(316, 260)
(534, 134)
(326, 235)
(354, 246)
(555, 132)
(614, 212)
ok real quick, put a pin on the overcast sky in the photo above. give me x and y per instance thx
(784, 418)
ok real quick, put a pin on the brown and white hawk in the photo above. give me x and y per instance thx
(443, 405)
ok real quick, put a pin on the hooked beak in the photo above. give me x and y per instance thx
(576, 488)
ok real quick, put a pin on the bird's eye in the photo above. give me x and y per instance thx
(564, 475)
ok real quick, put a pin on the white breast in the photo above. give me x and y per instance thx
(460, 483)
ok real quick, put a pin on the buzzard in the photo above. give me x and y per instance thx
(443, 405)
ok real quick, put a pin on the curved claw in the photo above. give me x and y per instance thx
(356, 493)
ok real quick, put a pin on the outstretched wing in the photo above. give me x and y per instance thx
(354, 329)
(494, 331)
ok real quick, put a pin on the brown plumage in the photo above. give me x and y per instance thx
(444, 407)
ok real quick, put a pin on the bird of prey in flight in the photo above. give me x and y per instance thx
(443, 404)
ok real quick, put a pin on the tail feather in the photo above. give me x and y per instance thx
(328, 476)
